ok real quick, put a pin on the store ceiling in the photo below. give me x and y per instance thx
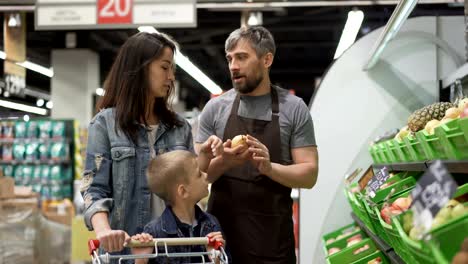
(306, 40)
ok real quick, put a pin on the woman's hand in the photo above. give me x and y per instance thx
(112, 240)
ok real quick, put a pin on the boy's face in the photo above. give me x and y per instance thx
(197, 185)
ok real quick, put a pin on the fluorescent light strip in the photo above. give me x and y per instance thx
(399, 16)
(49, 72)
(23, 107)
(189, 67)
(350, 31)
(37, 68)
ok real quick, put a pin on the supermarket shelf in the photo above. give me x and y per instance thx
(454, 166)
(382, 245)
(37, 162)
(33, 140)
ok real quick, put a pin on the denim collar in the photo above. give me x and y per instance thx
(169, 219)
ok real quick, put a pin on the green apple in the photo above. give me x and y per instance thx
(437, 222)
(415, 233)
(459, 210)
(444, 213)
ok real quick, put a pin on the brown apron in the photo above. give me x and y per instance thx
(255, 212)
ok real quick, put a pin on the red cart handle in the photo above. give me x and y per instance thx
(214, 243)
(93, 245)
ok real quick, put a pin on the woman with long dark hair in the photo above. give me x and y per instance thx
(135, 123)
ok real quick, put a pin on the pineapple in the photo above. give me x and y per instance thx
(419, 118)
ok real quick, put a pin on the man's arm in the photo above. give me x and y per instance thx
(302, 174)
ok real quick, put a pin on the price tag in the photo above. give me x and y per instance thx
(432, 192)
(350, 178)
(378, 180)
(114, 11)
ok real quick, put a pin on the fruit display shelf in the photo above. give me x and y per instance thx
(382, 245)
(453, 166)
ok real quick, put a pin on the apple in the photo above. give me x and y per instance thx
(329, 241)
(238, 141)
(402, 203)
(444, 213)
(464, 113)
(415, 233)
(377, 260)
(431, 125)
(459, 210)
(352, 242)
(333, 250)
(452, 203)
(453, 112)
(463, 103)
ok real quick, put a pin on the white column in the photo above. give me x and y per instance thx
(76, 77)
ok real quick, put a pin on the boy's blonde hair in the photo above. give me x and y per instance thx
(169, 169)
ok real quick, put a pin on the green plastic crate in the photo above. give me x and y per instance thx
(446, 239)
(351, 228)
(400, 187)
(453, 140)
(347, 255)
(373, 152)
(392, 152)
(391, 233)
(432, 145)
(377, 254)
(415, 148)
(342, 242)
(402, 247)
(464, 126)
(383, 153)
(403, 151)
(359, 201)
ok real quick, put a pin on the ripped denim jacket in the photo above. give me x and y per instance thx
(114, 180)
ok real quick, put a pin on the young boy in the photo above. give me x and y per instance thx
(176, 178)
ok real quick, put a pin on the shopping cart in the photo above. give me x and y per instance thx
(217, 252)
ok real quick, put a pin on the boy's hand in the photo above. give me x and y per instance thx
(142, 238)
(237, 156)
(212, 147)
(215, 236)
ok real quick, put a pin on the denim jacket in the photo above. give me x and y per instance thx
(166, 227)
(114, 180)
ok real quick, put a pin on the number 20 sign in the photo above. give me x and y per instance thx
(114, 11)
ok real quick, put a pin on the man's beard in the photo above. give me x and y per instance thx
(249, 85)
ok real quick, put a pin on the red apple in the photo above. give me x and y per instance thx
(464, 113)
(402, 203)
(333, 250)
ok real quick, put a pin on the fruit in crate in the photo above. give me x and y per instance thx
(464, 113)
(459, 210)
(397, 207)
(431, 125)
(421, 117)
(463, 103)
(416, 233)
(238, 141)
(329, 241)
(353, 240)
(453, 112)
(377, 260)
(407, 222)
(404, 132)
(333, 250)
(402, 203)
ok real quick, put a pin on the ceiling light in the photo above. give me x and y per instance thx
(255, 19)
(189, 67)
(50, 104)
(40, 102)
(399, 16)
(23, 107)
(100, 91)
(37, 68)
(14, 20)
(350, 31)
(26, 118)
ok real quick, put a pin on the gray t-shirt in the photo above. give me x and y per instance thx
(296, 126)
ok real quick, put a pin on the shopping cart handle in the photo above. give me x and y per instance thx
(215, 244)
(93, 245)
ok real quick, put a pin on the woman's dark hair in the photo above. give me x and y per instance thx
(127, 84)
